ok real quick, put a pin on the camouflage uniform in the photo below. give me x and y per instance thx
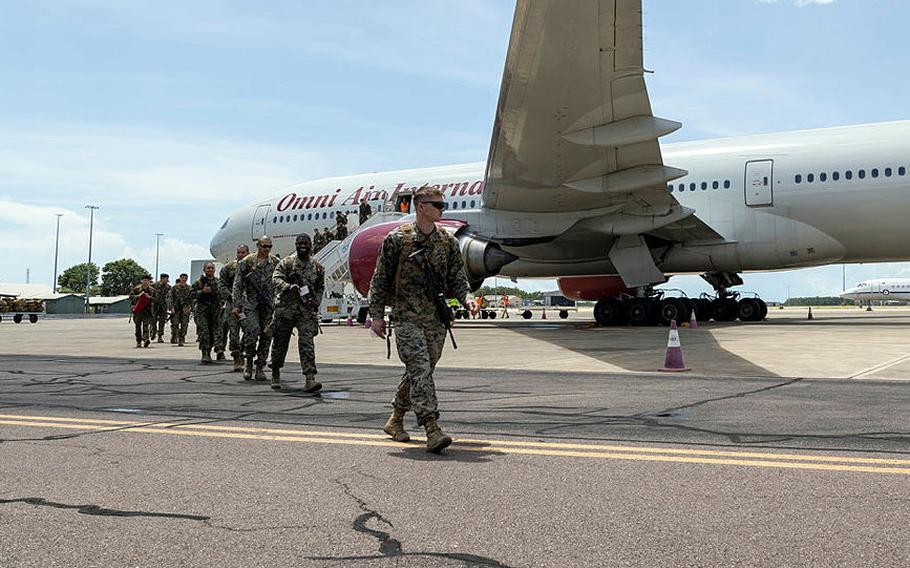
(144, 320)
(257, 312)
(364, 211)
(318, 241)
(420, 335)
(160, 306)
(231, 327)
(341, 231)
(291, 311)
(180, 303)
(207, 314)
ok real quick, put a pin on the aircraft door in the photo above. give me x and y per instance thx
(260, 220)
(759, 183)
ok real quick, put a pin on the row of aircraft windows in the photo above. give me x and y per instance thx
(703, 185)
(464, 204)
(848, 175)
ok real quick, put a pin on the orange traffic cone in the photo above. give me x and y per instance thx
(543, 315)
(673, 361)
(810, 313)
(693, 321)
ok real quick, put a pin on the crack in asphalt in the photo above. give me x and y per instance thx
(389, 547)
(96, 510)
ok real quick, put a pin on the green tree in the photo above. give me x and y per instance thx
(119, 276)
(74, 277)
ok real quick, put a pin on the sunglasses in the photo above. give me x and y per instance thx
(437, 204)
(265, 246)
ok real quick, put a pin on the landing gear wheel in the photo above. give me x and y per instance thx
(640, 311)
(748, 309)
(672, 309)
(763, 309)
(704, 309)
(609, 311)
(725, 309)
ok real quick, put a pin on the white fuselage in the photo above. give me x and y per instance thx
(882, 289)
(779, 201)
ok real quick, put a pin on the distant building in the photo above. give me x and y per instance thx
(556, 299)
(109, 304)
(25, 290)
(64, 303)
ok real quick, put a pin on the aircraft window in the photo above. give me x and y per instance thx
(454, 205)
(726, 184)
(309, 217)
(325, 215)
(848, 174)
(295, 218)
(274, 219)
(862, 174)
(682, 187)
(874, 172)
(691, 187)
(823, 177)
(835, 176)
(464, 204)
(228, 219)
(715, 185)
(810, 178)
(670, 188)
(472, 204)
(887, 172)
(704, 185)
(798, 178)
(901, 171)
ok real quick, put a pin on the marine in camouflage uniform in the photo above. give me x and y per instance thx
(180, 304)
(318, 241)
(231, 329)
(144, 320)
(400, 281)
(207, 308)
(162, 289)
(255, 307)
(364, 211)
(341, 229)
(299, 282)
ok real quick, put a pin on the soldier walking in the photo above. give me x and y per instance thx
(299, 282)
(364, 211)
(207, 312)
(318, 241)
(142, 299)
(231, 328)
(252, 299)
(327, 236)
(180, 304)
(416, 265)
(162, 289)
(341, 229)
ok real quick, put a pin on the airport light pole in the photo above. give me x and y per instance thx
(88, 268)
(157, 242)
(56, 250)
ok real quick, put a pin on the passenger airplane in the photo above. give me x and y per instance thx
(882, 289)
(576, 186)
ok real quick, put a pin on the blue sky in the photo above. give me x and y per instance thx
(171, 115)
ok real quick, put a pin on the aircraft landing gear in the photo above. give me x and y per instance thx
(729, 306)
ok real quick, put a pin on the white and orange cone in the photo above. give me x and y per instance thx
(693, 321)
(673, 362)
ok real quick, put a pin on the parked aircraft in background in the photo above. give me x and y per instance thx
(879, 290)
(576, 187)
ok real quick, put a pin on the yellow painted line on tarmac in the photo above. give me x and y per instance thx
(667, 455)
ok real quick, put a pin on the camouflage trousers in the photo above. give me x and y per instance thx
(145, 325)
(179, 323)
(231, 331)
(208, 328)
(307, 328)
(160, 319)
(419, 348)
(256, 340)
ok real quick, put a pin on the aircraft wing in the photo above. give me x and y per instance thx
(574, 130)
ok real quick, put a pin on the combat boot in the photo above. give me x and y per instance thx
(160, 339)
(146, 343)
(173, 340)
(138, 344)
(276, 379)
(395, 426)
(311, 384)
(219, 356)
(260, 373)
(180, 342)
(436, 440)
(238, 363)
(248, 370)
(206, 356)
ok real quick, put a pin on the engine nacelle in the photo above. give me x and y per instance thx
(482, 258)
(592, 288)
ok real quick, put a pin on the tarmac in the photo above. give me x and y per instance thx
(788, 444)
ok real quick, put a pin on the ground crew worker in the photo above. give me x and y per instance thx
(252, 299)
(318, 241)
(207, 312)
(341, 230)
(364, 211)
(299, 282)
(412, 257)
(180, 304)
(162, 289)
(231, 326)
(505, 305)
(144, 317)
